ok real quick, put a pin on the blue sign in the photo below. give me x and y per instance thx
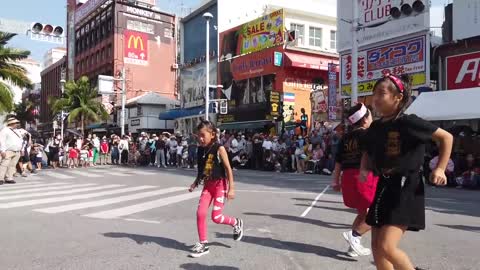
(277, 56)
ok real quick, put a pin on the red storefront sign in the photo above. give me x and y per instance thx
(254, 65)
(463, 71)
(136, 47)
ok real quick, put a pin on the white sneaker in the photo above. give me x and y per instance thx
(355, 244)
(199, 250)
(351, 252)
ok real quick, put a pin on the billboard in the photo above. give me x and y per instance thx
(332, 91)
(376, 13)
(253, 36)
(407, 56)
(463, 71)
(135, 48)
(466, 21)
(192, 83)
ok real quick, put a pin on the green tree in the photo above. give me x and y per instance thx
(11, 72)
(80, 100)
(24, 112)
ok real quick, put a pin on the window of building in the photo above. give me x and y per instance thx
(315, 36)
(139, 110)
(333, 39)
(300, 28)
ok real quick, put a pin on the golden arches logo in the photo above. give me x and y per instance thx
(136, 40)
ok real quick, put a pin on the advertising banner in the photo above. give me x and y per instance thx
(463, 71)
(403, 57)
(192, 83)
(254, 36)
(332, 91)
(376, 13)
(136, 47)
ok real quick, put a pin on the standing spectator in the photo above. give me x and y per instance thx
(123, 148)
(179, 155)
(160, 145)
(104, 149)
(316, 139)
(242, 143)
(55, 151)
(257, 153)
(10, 146)
(267, 150)
(115, 153)
(96, 148)
(172, 145)
(153, 149)
(233, 150)
(192, 151)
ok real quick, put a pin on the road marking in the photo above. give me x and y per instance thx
(125, 211)
(47, 188)
(117, 174)
(66, 198)
(50, 193)
(86, 174)
(58, 175)
(77, 206)
(30, 185)
(142, 220)
(135, 172)
(314, 201)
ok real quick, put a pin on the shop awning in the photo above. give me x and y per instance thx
(459, 104)
(180, 112)
(243, 125)
(306, 61)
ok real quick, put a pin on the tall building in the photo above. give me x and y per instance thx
(50, 87)
(115, 34)
(33, 69)
(53, 55)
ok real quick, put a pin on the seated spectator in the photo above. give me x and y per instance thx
(449, 172)
(329, 164)
(470, 178)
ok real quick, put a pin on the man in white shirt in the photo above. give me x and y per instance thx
(10, 146)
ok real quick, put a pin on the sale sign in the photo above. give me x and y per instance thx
(402, 57)
(463, 71)
(262, 33)
(135, 48)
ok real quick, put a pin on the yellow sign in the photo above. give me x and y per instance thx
(262, 33)
(366, 88)
(136, 40)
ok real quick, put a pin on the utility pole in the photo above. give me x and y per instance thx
(354, 90)
(208, 16)
(62, 84)
(124, 100)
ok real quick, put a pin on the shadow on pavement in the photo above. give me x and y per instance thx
(292, 246)
(161, 241)
(348, 210)
(330, 225)
(453, 201)
(195, 266)
(461, 227)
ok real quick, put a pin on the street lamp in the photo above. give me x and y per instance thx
(208, 16)
(62, 84)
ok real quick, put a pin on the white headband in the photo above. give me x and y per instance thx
(354, 118)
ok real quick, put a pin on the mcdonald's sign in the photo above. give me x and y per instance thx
(135, 47)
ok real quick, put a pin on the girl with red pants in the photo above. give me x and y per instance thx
(356, 195)
(214, 171)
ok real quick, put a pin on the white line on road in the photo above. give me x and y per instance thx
(314, 201)
(125, 211)
(30, 185)
(77, 206)
(117, 174)
(274, 191)
(66, 198)
(58, 175)
(50, 193)
(86, 174)
(142, 220)
(46, 188)
(135, 172)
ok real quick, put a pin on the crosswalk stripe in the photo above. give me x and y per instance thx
(58, 175)
(77, 206)
(69, 191)
(44, 188)
(22, 184)
(86, 174)
(66, 198)
(140, 172)
(38, 184)
(136, 208)
(117, 174)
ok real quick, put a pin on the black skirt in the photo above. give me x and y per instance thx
(399, 200)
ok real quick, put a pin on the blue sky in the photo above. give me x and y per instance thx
(53, 11)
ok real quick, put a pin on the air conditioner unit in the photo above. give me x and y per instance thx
(174, 66)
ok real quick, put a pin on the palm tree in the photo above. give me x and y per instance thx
(80, 101)
(11, 72)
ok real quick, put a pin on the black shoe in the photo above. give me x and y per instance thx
(10, 182)
(418, 268)
(238, 230)
(199, 250)
(1, 182)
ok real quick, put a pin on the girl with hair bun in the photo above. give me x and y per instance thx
(395, 150)
(356, 195)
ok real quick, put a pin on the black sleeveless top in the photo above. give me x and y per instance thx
(210, 165)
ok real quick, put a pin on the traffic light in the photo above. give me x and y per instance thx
(407, 7)
(46, 32)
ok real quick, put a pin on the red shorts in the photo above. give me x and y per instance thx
(356, 194)
(73, 153)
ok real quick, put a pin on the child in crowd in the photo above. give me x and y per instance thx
(217, 176)
(395, 150)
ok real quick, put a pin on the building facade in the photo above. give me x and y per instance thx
(53, 55)
(50, 88)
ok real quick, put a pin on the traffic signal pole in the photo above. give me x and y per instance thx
(354, 90)
(124, 100)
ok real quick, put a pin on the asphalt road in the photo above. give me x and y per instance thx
(144, 218)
